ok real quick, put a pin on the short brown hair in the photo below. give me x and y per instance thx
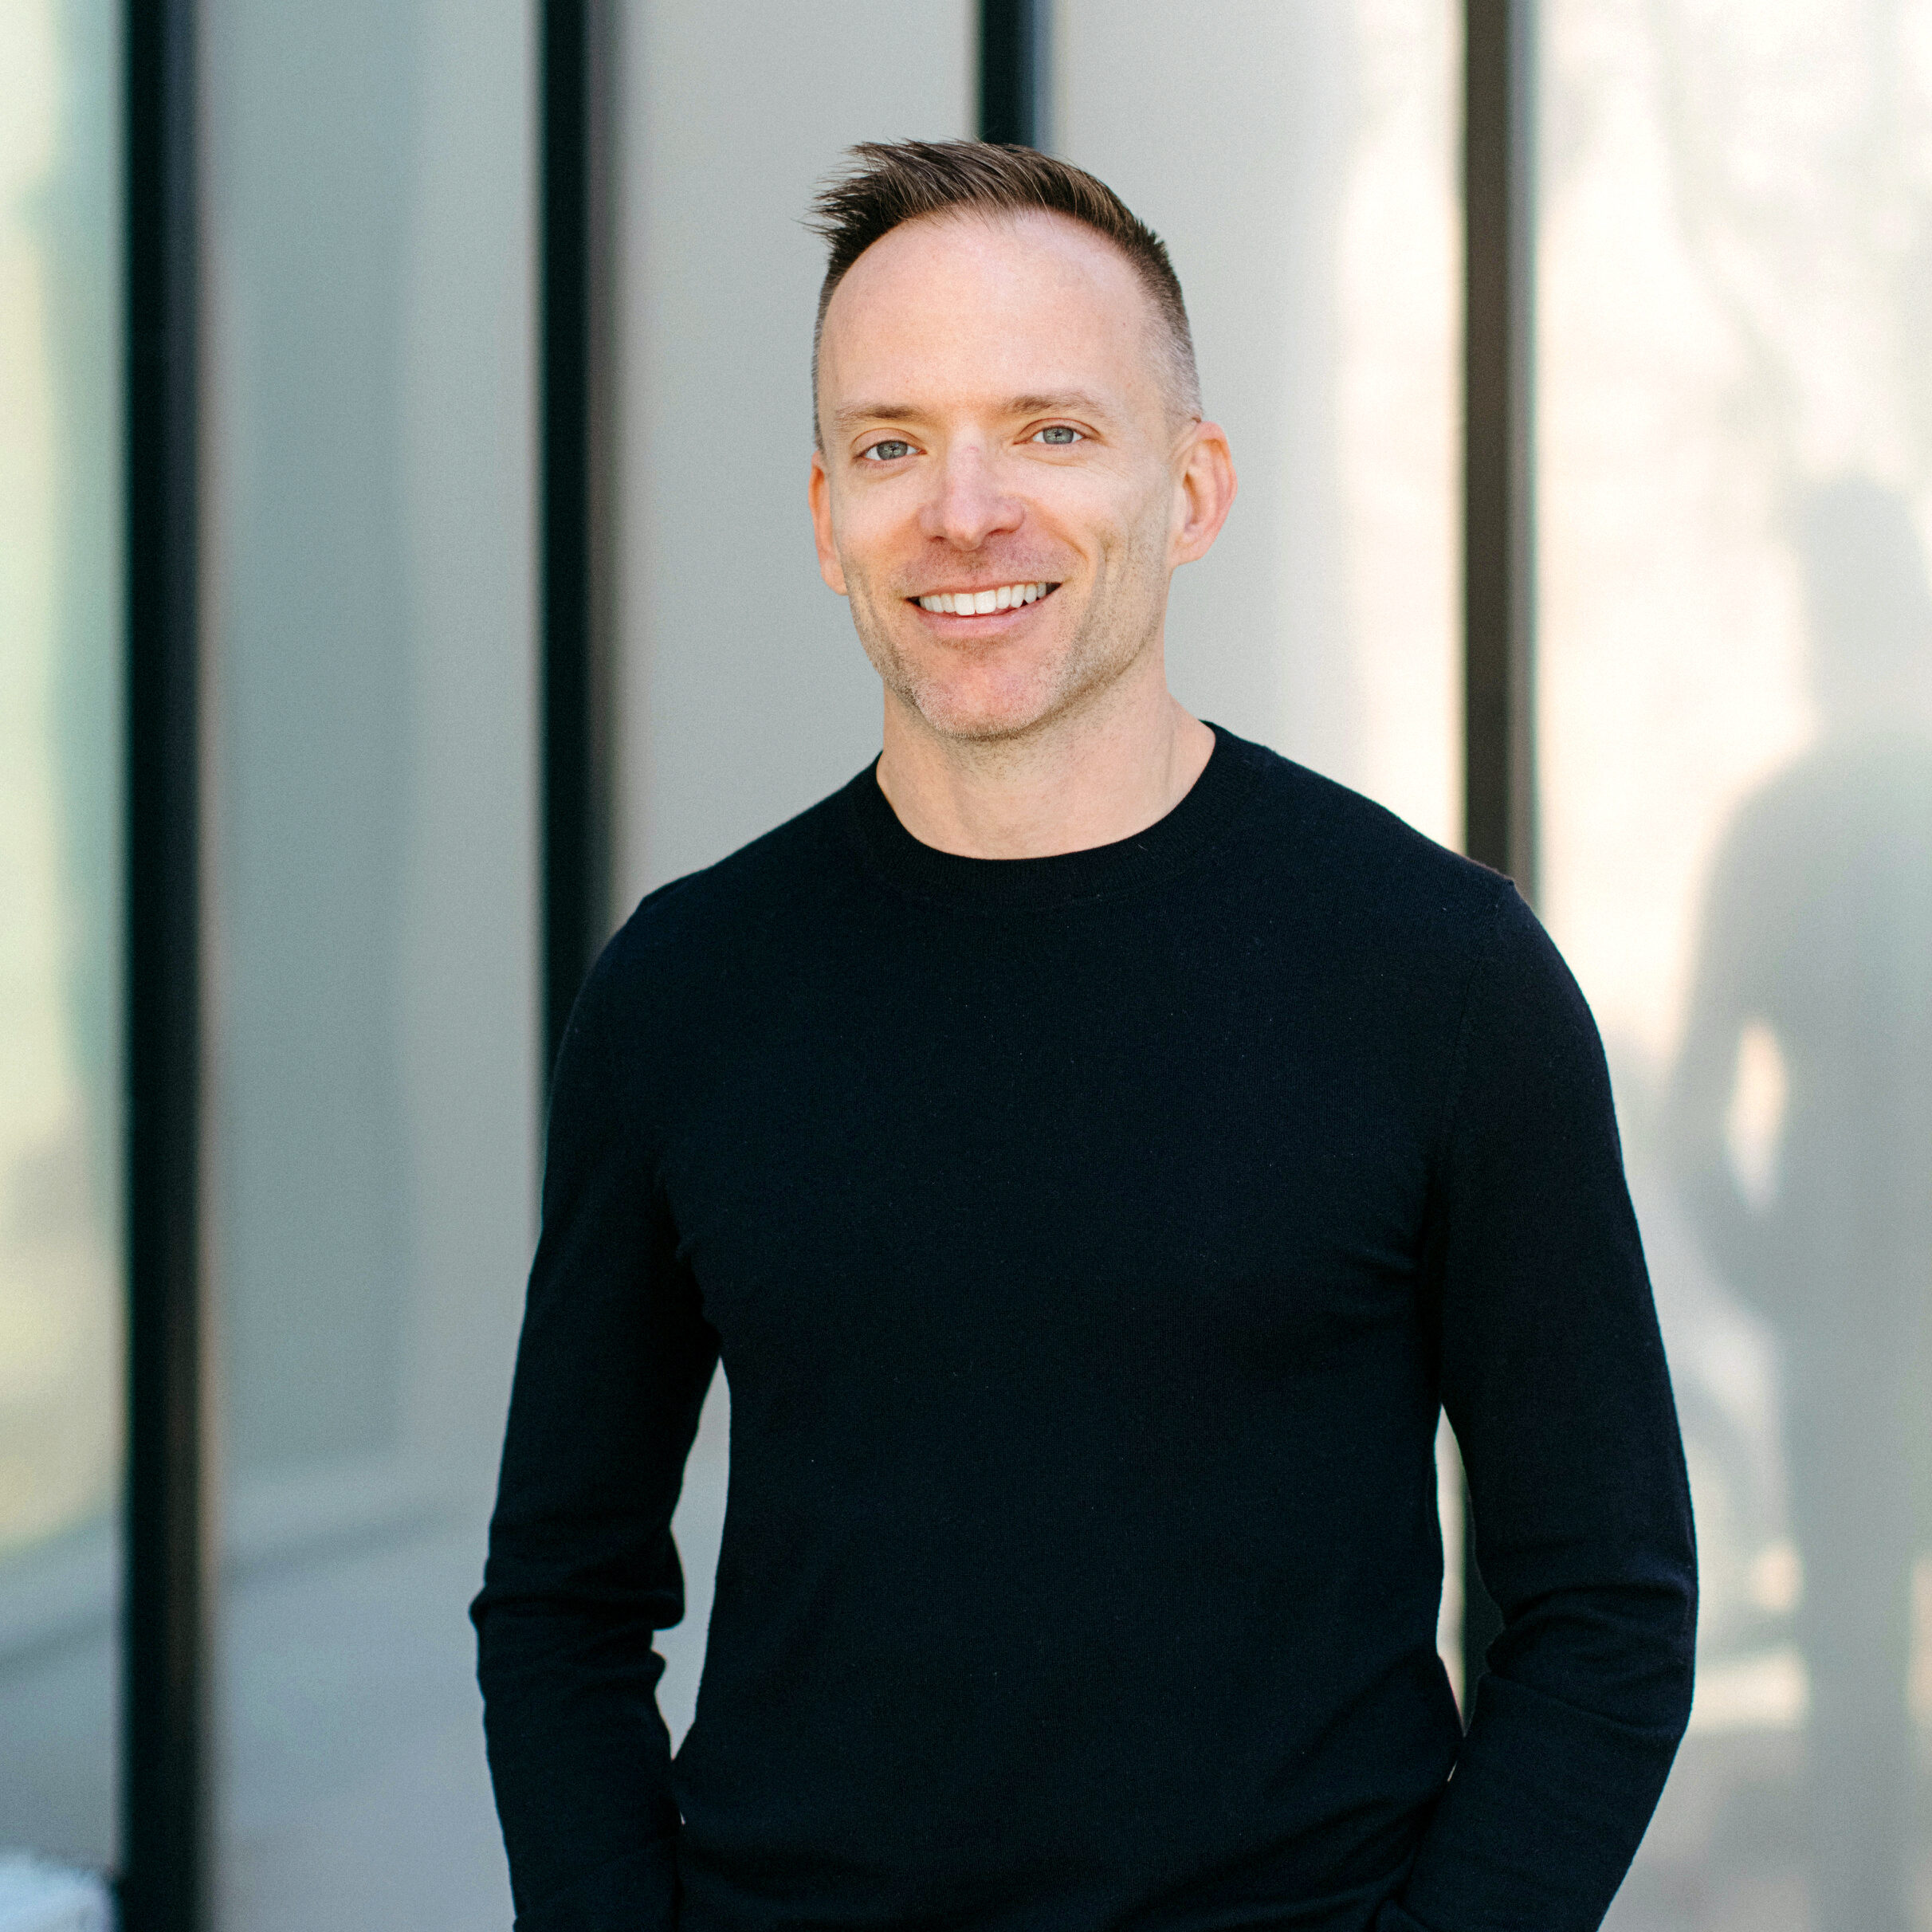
(891, 183)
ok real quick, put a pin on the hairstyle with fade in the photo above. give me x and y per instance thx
(891, 182)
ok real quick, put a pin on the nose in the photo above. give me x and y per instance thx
(967, 505)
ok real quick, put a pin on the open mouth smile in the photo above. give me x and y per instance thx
(983, 603)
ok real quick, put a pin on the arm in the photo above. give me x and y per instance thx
(611, 1372)
(1553, 1377)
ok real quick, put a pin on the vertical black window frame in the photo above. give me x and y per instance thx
(165, 1877)
(1499, 81)
(577, 67)
(1015, 72)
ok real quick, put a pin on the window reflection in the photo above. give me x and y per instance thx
(1736, 717)
(370, 884)
(60, 1272)
(1319, 254)
(1815, 961)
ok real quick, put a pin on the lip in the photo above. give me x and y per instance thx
(991, 620)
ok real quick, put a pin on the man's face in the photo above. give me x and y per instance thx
(994, 421)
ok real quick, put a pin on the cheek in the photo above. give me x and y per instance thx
(1141, 539)
(1106, 512)
(869, 536)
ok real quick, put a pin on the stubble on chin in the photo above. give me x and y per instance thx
(1096, 656)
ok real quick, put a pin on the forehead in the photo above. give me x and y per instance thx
(959, 303)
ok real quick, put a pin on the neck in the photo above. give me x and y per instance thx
(1072, 784)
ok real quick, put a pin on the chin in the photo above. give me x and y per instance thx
(975, 719)
(984, 700)
(972, 705)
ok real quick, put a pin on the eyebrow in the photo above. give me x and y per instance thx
(1065, 402)
(1059, 402)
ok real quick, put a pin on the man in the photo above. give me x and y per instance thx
(1094, 1147)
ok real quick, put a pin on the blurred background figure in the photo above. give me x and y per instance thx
(1810, 1030)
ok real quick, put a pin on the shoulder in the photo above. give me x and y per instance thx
(694, 950)
(708, 917)
(1357, 867)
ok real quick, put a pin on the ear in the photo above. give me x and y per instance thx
(1203, 491)
(819, 491)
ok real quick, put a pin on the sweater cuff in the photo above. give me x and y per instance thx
(1539, 1822)
(637, 1893)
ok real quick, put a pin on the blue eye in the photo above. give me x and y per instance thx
(1059, 433)
(888, 451)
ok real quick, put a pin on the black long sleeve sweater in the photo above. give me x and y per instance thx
(1089, 1242)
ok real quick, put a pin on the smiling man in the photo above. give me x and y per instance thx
(1097, 1149)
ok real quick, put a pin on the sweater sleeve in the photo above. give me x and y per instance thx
(611, 1370)
(1554, 1380)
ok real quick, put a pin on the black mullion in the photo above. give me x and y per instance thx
(1497, 537)
(1014, 73)
(165, 1758)
(1498, 505)
(575, 843)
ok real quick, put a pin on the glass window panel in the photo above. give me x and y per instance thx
(745, 696)
(1321, 257)
(60, 1276)
(375, 1089)
(1736, 717)
(1320, 253)
(1325, 621)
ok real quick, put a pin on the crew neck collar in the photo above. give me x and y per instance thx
(1163, 849)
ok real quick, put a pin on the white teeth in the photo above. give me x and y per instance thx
(970, 603)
